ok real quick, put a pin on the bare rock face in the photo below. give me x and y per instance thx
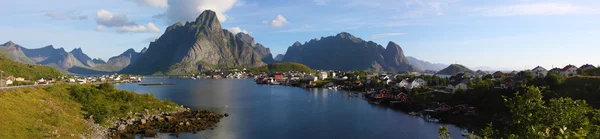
(347, 52)
(198, 45)
(14, 52)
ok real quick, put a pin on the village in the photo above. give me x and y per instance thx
(12, 82)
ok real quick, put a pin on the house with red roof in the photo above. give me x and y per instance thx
(569, 70)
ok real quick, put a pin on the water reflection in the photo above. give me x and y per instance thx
(264, 111)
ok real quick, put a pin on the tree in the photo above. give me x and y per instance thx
(443, 132)
(488, 77)
(554, 80)
(526, 74)
(499, 74)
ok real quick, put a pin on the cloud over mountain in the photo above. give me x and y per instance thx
(188, 10)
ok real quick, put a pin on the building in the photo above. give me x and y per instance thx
(454, 86)
(403, 83)
(332, 74)
(277, 75)
(569, 70)
(19, 79)
(539, 72)
(416, 83)
(586, 67)
(310, 78)
(322, 75)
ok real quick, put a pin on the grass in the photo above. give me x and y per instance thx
(37, 112)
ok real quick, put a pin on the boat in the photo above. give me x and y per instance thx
(465, 132)
(194, 78)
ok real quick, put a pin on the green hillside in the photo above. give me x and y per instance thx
(455, 69)
(282, 67)
(16, 69)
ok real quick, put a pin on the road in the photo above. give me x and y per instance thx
(22, 86)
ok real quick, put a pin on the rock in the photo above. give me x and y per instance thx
(121, 127)
(180, 123)
(143, 121)
(226, 115)
(187, 123)
(169, 118)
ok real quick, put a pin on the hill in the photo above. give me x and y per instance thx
(346, 52)
(455, 69)
(282, 67)
(16, 69)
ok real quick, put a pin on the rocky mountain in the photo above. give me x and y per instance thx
(424, 65)
(75, 62)
(279, 57)
(347, 52)
(455, 69)
(198, 45)
(121, 61)
(15, 53)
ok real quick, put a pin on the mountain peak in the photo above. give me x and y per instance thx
(297, 43)
(209, 19)
(345, 35)
(130, 50)
(77, 50)
(144, 50)
(9, 43)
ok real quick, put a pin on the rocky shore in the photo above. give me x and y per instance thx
(149, 123)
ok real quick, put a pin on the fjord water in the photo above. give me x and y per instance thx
(270, 111)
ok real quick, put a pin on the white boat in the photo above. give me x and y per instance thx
(194, 78)
(465, 132)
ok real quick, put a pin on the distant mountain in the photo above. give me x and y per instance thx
(121, 61)
(198, 45)
(424, 65)
(279, 57)
(455, 69)
(75, 62)
(347, 52)
(14, 52)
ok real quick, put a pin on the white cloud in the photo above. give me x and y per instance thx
(386, 35)
(236, 30)
(539, 9)
(100, 28)
(320, 2)
(66, 16)
(152, 3)
(139, 28)
(109, 19)
(280, 21)
(189, 10)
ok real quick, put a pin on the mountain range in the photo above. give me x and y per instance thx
(75, 61)
(347, 52)
(199, 45)
(204, 45)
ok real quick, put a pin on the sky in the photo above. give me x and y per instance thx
(506, 34)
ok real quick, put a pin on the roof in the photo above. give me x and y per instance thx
(587, 66)
(568, 67)
(540, 68)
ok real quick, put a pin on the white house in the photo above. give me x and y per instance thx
(403, 83)
(332, 74)
(539, 71)
(569, 70)
(71, 80)
(416, 83)
(342, 78)
(9, 82)
(310, 78)
(453, 87)
(19, 79)
(322, 75)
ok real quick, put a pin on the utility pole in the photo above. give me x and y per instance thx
(1, 74)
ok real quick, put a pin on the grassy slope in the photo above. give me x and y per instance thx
(282, 67)
(27, 71)
(37, 112)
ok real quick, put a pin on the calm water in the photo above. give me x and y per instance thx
(281, 112)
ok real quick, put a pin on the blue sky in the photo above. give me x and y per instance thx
(507, 34)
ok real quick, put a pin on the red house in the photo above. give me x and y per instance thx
(278, 76)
